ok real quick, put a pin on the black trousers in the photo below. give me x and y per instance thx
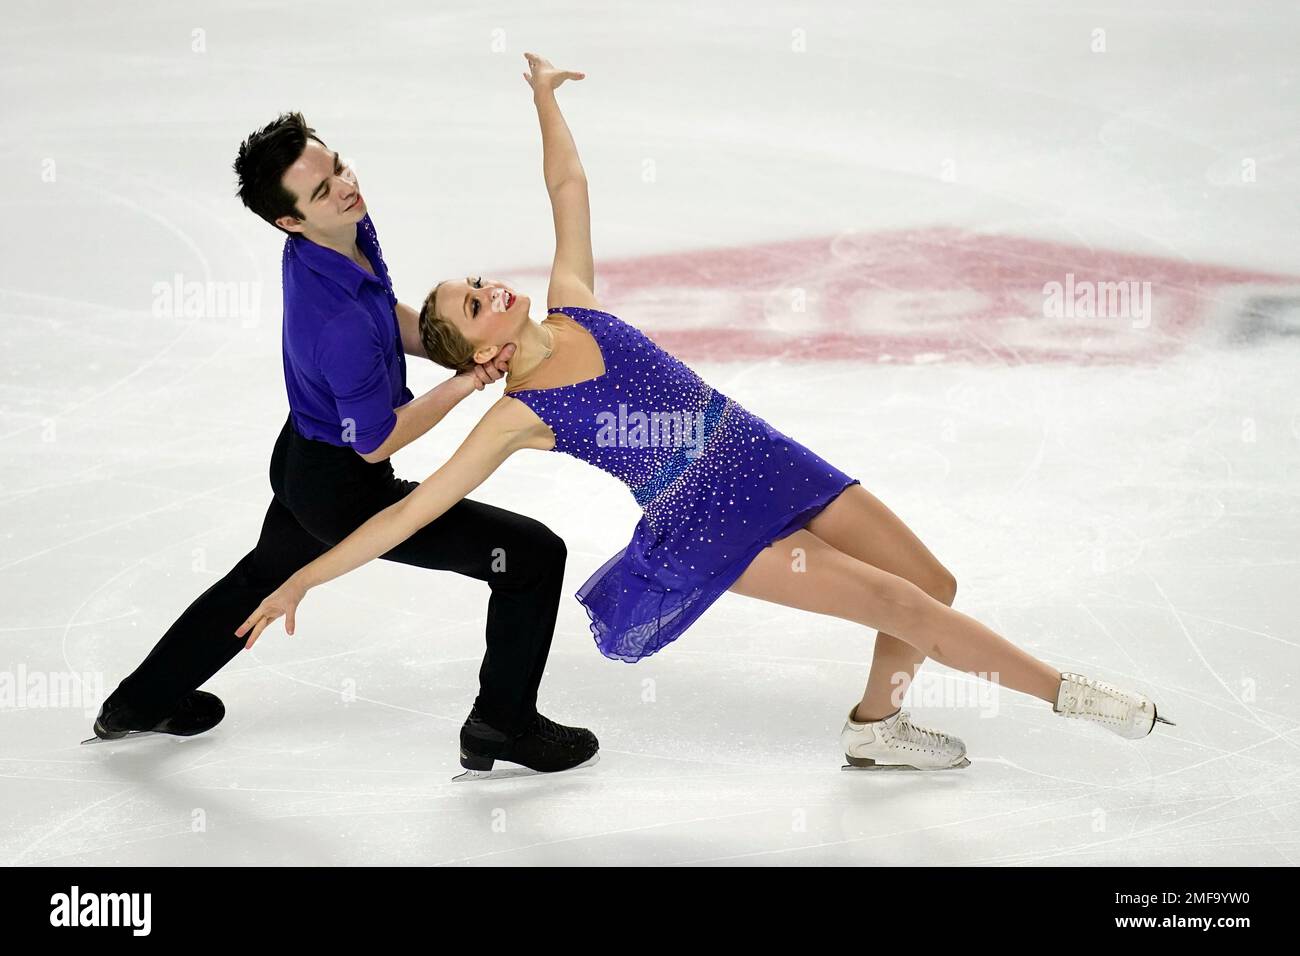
(323, 492)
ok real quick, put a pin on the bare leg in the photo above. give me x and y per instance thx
(858, 524)
(805, 572)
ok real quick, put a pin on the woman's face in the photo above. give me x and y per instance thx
(487, 312)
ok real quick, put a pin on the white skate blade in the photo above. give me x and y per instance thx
(513, 772)
(965, 762)
(130, 735)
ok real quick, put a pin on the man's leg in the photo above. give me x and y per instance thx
(521, 560)
(523, 563)
(202, 640)
(323, 493)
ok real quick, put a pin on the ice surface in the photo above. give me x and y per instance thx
(1121, 500)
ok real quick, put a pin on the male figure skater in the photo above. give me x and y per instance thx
(344, 339)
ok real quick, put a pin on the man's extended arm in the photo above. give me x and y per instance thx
(408, 320)
(417, 416)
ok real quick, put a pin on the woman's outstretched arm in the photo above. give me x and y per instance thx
(505, 429)
(573, 272)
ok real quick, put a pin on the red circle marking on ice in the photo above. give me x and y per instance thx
(921, 295)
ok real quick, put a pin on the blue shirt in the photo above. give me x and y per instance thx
(344, 368)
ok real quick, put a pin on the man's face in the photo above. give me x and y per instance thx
(326, 192)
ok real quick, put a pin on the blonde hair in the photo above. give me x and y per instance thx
(442, 341)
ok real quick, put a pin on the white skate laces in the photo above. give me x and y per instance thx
(1127, 714)
(896, 743)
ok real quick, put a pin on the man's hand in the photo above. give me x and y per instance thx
(490, 371)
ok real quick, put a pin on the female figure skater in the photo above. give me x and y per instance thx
(729, 503)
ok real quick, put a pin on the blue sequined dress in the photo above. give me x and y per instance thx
(716, 484)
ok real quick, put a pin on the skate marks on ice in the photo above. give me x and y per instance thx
(515, 772)
(866, 763)
(129, 735)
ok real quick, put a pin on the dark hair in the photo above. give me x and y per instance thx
(262, 161)
(442, 341)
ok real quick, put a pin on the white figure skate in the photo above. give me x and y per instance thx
(1127, 714)
(895, 743)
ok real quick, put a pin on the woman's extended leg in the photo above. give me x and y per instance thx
(858, 524)
(803, 571)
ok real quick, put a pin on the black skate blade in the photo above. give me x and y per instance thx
(514, 772)
(129, 735)
(1162, 720)
(902, 767)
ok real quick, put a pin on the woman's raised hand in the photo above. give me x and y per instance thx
(543, 76)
